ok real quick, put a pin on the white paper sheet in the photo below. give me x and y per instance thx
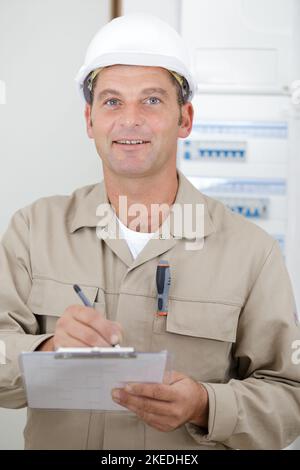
(85, 383)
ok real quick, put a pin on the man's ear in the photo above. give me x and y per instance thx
(88, 120)
(186, 121)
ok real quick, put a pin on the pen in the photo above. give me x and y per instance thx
(163, 282)
(86, 302)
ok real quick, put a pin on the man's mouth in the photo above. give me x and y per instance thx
(128, 143)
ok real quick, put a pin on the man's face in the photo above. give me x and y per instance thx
(136, 103)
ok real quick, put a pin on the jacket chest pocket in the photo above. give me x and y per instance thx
(200, 335)
(48, 300)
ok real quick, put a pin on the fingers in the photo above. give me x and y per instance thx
(161, 392)
(85, 334)
(108, 330)
(161, 415)
(86, 327)
(141, 406)
(63, 340)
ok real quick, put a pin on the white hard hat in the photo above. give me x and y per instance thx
(137, 39)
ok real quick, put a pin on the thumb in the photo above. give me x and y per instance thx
(176, 377)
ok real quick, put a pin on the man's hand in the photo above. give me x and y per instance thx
(166, 407)
(83, 327)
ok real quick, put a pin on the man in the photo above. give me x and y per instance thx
(230, 322)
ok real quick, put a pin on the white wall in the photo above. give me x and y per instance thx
(44, 149)
(43, 145)
(167, 10)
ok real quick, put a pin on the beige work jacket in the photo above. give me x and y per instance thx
(231, 322)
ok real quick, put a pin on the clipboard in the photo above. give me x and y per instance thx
(114, 352)
(83, 378)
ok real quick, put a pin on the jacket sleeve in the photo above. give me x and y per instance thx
(260, 407)
(19, 330)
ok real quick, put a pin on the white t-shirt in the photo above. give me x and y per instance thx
(136, 241)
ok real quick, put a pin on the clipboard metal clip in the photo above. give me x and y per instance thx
(96, 353)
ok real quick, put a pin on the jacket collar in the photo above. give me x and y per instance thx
(85, 201)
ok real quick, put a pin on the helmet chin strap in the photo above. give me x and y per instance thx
(91, 78)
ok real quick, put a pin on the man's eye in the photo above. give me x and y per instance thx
(111, 102)
(153, 100)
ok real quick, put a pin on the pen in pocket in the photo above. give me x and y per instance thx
(86, 302)
(163, 282)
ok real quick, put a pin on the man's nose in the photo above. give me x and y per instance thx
(131, 116)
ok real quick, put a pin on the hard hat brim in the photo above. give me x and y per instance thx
(134, 58)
